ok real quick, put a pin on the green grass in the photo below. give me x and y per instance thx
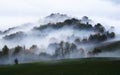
(90, 66)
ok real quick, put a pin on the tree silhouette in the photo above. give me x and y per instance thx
(65, 48)
(5, 50)
(17, 50)
(98, 27)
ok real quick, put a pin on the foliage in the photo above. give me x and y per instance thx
(98, 37)
(65, 48)
(96, 51)
(17, 50)
(33, 47)
(5, 50)
(98, 27)
(19, 35)
(111, 35)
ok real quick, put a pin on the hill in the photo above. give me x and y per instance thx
(88, 66)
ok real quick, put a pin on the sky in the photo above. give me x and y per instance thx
(17, 12)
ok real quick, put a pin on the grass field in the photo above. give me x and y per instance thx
(89, 66)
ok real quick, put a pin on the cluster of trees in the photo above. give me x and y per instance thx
(98, 37)
(76, 24)
(69, 22)
(96, 51)
(14, 35)
(14, 51)
(101, 34)
(99, 28)
(65, 48)
(6, 31)
(17, 50)
(5, 51)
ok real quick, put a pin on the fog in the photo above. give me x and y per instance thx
(25, 15)
(45, 38)
(109, 54)
(48, 39)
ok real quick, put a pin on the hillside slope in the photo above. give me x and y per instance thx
(89, 66)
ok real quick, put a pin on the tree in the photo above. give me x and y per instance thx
(33, 47)
(73, 47)
(84, 40)
(65, 48)
(1, 53)
(68, 21)
(85, 18)
(57, 52)
(111, 35)
(17, 50)
(96, 51)
(77, 40)
(99, 27)
(103, 37)
(5, 50)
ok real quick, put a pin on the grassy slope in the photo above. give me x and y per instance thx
(110, 46)
(91, 66)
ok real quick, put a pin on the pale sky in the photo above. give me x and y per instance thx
(16, 12)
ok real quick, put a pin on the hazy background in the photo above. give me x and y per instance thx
(17, 12)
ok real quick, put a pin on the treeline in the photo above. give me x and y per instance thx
(75, 23)
(5, 52)
(19, 50)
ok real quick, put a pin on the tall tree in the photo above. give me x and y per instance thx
(5, 50)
